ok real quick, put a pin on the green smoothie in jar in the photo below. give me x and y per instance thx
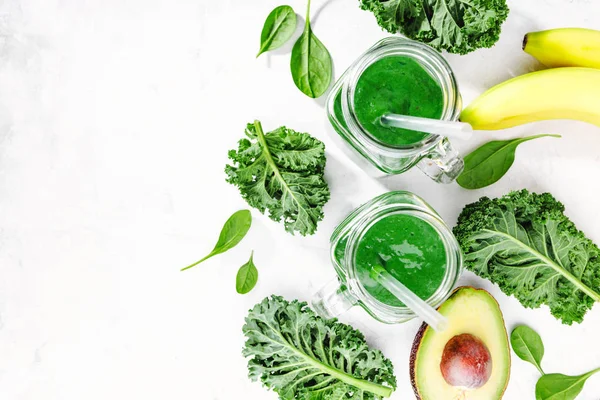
(395, 84)
(409, 248)
(398, 76)
(401, 234)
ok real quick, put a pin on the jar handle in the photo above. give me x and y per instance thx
(443, 163)
(333, 300)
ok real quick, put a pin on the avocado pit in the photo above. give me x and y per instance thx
(466, 362)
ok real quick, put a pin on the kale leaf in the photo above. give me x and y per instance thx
(524, 243)
(458, 26)
(281, 172)
(302, 356)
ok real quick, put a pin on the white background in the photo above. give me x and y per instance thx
(115, 121)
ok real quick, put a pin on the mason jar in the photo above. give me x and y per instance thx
(434, 154)
(349, 288)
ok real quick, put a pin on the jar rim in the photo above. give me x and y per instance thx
(433, 63)
(453, 260)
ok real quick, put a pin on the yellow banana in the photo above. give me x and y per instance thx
(560, 93)
(566, 47)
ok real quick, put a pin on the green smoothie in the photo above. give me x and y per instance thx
(394, 84)
(409, 248)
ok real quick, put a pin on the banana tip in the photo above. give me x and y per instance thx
(525, 40)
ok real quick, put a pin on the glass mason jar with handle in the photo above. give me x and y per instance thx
(354, 286)
(434, 155)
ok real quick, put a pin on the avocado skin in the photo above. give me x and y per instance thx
(413, 357)
(419, 339)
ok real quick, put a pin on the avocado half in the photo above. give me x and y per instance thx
(469, 311)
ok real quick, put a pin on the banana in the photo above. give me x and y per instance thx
(560, 93)
(566, 47)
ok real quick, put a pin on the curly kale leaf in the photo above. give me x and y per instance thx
(281, 172)
(458, 26)
(524, 243)
(302, 356)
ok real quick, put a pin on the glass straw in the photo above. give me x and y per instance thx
(450, 129)
(427, 313)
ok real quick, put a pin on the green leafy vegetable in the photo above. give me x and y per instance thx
(311, 62)
(279, 27)
(302, 356)
(487, 164)
(524, 243)
(528, 345)
(233, 232)
(247, 277)
(561, 387)
(281, 172)
(456, 26)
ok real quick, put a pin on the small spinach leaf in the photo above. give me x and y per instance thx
(247, 276)
(561, 387)
(311, 62)
(279, 27)
(487, 164)
(528, 345)
(232, 233)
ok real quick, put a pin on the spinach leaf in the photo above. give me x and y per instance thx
(561, 387)
(247, 276)
(311, 62)
(302, 356)
(528, 345)
(279, 27)
(281, 172)
(487, 164)
(527, 245)
(233, 232)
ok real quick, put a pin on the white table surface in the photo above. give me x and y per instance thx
(115, 121)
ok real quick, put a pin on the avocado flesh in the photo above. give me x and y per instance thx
(472, 311)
